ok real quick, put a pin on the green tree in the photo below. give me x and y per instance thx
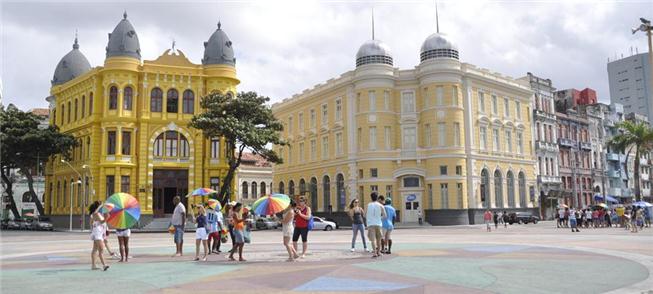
(25, 146)
(245, 122)
(633, 135)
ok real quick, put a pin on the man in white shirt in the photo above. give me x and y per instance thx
(375, 214)
(179, 222)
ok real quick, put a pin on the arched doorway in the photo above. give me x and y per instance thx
(485, 188)
(281, 188)
(291, 188)
(340, 188)
(326, 193)
(244, 191)
(498, 189)
(510, 181)
(302, 186)
(313, 191)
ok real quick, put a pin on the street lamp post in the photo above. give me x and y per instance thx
(91, 192)
(648, 28)
(71, 193)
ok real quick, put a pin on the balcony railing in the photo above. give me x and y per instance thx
(585, 146)
(550, 180)
(544, 114)
(543, 145)
(566, 142)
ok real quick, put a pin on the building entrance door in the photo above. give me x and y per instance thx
(411, 206)
(168, 183)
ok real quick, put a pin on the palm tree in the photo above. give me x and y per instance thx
(637, 135)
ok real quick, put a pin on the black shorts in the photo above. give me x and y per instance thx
(300, 231)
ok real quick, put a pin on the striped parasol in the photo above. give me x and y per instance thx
(271, 204)
(126, 211)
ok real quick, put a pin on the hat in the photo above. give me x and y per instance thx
(388, 201)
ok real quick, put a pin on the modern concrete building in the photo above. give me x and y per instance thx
(630, 84)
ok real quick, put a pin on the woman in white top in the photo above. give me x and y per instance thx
(288, 228)
(97, 234)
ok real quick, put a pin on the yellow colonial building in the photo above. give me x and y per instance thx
(131, 120)
(445, 139)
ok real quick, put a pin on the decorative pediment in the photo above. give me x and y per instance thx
(176, 58)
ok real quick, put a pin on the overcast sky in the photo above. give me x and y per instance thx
(283, 48)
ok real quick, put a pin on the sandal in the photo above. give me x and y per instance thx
(106, 267)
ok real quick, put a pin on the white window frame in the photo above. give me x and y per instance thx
(387, 135)
(325, 114)
(442, 134)
(427, 135)
(518, 109)
(407, 132)
(372, 99)
(483, 138)
(454, 96)
(313, 149)
(290, 122)
(372, 136)
(386, 100)
(439, 96)
(506, 107)
(325, 147)
(520, 142)
(300, 121)
(481, 101)
(456, 134)
(496, 141)
(495, 105)
(339, 109)
(508, 138)
(339, 143)
(302, 154)
(313, 118)
(408, 96)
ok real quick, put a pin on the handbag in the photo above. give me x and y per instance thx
(172, 229)
(311, 224)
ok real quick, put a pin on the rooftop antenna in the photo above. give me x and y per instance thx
(372, 23)
(437, 21)
(173, 45)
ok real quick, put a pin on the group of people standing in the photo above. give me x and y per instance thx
(100, 238)
(630, 218)
(380, 216)
(497, 217)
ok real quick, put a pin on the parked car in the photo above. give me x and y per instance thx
(322, 224)
(522, 218)
(333, 221)
(42, 224)
(266, 224)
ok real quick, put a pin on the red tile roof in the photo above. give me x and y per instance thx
(40, 111)
(254, 160)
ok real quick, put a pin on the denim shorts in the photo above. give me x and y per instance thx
(239, 236)
(179, 234)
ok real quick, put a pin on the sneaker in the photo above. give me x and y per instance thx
(367, 250)
(352, 250)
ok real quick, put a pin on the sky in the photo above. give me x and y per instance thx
(284, 47)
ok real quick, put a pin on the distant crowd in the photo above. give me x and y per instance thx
(633, 218)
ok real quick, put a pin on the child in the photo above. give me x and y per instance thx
(200, 233)
(97, 234)
(239, 232)
(288, 228)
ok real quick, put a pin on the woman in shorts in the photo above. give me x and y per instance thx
(239, 232)
(288, 228)
(98, 223)
(201, 235)
(123, 243)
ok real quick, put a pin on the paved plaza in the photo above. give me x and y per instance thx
(462, 259)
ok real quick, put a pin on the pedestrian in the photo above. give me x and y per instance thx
(608, 218)
(357, 225)
(374, 215)
(388, 227)
(213, 228)
(505, 219)
(179, 222)
(561, 217)
(647, 217)
(303, 215)
(640, 218)
(572, 220)
(239, 232)
(97, 234)
(419, 217)
(487, 217)
(287, 229)
(590, 218)
(201, 235)
(230, 223)
(620, 214)
(566, 217)
(123, 243)
(107, 232)
(495, 217)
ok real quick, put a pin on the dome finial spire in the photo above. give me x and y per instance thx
(437, 21)
(124, 14)
(372, 23)
(75, 45)
(219, 24)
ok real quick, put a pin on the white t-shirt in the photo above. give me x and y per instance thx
(572, 214)
(588, 214)
(178, 215)
(373, 214)
(561, 213)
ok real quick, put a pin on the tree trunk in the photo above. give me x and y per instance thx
(638, 196)
(10, 192)
(30, 184)
(233, 165)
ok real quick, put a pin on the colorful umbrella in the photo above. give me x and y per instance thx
(215, 204)
(602, 205)
(642, 204)
(107, 208)
(126, 211)
(202, 192)
(271, 204)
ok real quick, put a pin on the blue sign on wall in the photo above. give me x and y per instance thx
(411, 197)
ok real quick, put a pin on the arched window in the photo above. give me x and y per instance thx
(263, 191)
(127, 98)
(313, 190)
(244, 190)
(54, 116)
(90, 104)
(189, 100)
(156, 100)
(291, 188)
(281, 189)
(485, 188)
(171, 144)
(63, 112)
(340, 192)
(83, 106)
(510, 182)
(302, 187)
(113, 97)
(326, 193)
(522, 190)
(254, 190)
(69, 115)
(76, 109)
(88, 147)
(498, 189)
(172, 101)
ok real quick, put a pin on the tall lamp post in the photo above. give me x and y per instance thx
(91, 192)
(71, 192)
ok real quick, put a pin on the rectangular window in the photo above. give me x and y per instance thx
(509, 141)
(374, 188)
(387, 138)
(444, 195)
(215, 148)
(325, 114)
(313, 149)
(427, 135)
(439, 96)
(126, 143)
(301, 152)
(289, 125)
(454, 96)
(339, 149)
(495, 105)
(442, 134)
(483, 138)
(124, 184)
(411, 182)
(518, 109)
(372, 96)
(358, 102)
(339, 109)
(300, 121)
(359, 139)
(386, 100)
(409, 141)
(312, 119)
(459, 194)
(325, 147)
(214, 183)
(443, 170)
(506, 107)
(407, 102)
(289, 154)
(520, 143)
(111, 142)
(388, 191)
(372, 138)
(374, 173)
(171, 146)
(111, 185)
(456, 134)
(481, 101)
(495, 133)
(360, 173)
(430, 191)
(459, 170)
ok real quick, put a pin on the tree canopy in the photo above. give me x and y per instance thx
(245, 122)
(633, 135)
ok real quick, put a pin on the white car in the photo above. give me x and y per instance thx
(322, 224)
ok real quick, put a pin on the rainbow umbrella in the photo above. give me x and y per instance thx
(107, 207)
(126, 211)
(271, 204)
(215, 204)
(202, 192)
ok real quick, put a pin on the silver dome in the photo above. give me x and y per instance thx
(438, 46)
(373, 51)
(123, 41)
(218, 49)
(70, 66)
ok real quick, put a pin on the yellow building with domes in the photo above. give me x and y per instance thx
(131, 120)
(444, 140)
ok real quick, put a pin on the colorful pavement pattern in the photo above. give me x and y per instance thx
(415, 267)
